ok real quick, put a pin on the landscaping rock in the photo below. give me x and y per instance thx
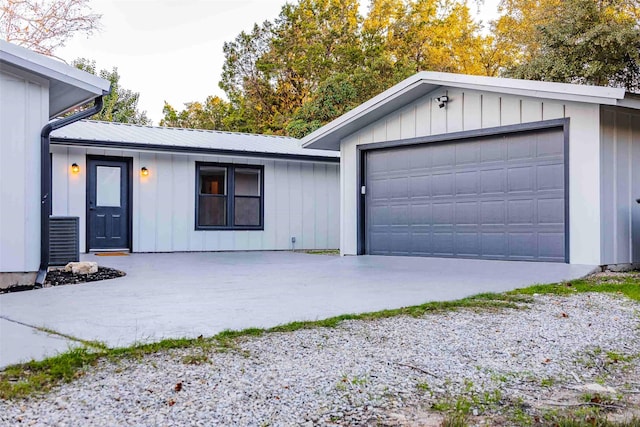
(83, 267)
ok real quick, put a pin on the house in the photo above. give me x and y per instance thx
(33, 90)
(143, 188)
(450, 165)
(156, 189)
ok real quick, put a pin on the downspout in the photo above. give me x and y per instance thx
(45, 180)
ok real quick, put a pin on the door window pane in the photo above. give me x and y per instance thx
(247, 182)
(108, 186)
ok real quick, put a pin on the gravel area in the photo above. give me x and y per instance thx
(384, 372)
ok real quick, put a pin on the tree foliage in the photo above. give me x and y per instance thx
(120, 105)
(45, 25)
(575, 41)
(321, 58)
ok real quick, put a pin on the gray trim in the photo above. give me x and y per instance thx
(230, 196)
(189, 150)
(361, 151)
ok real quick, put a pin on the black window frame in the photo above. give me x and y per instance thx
(230, 184)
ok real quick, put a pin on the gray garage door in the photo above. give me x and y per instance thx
(500, 197)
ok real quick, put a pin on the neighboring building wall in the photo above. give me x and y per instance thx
(24, 102)
(300, 200)
(620, 188)
(469, 110)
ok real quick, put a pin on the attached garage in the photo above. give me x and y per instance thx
(446, 165)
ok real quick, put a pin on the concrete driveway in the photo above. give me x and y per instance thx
(189, 294)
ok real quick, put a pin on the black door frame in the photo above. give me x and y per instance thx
(129, 172)
(361, 167)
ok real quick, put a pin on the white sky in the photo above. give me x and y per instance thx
(172, 49)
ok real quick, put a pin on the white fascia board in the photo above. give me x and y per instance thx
(51, 69)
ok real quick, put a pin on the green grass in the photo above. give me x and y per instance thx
(628, 286)
(26, 379)
(323, 252)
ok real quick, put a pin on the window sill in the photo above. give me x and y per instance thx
(213, 228)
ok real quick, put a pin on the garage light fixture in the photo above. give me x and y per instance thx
(144, 171)
(75, 168)
(442, 101)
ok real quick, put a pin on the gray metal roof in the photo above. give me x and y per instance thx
(328, 137)
(120, 135)
(69, 87)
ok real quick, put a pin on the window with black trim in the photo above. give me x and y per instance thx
(229, 196)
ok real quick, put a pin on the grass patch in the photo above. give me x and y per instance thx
(26, 379)
(323, 252)
(627, 285)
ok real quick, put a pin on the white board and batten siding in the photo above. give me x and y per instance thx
(300, 200)
(24, 109)
(472, 110)
(620, 186)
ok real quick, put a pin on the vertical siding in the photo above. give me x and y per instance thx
(620, 186)
(301, 200)
(23, 112)
(470, 110)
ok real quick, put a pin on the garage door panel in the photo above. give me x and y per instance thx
(467, 182)
(493, 151)
(492, 212)
(442, 184)
(520, 179)
(442, 243)
(466, 213)
(468, 244)
(550, 177)
(467, 154)
(551, 211)
(493, 181)
(492, 198)
(521, 212)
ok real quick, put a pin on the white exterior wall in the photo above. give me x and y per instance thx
(300, 200)
(620, 182)
(472, 110)
(24, 110)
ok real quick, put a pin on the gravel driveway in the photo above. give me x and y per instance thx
(385, 372)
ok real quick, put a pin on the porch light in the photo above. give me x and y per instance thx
(144, 171)
(75, 168)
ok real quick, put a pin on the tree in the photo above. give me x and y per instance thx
(215, 113)
(577, 41)
(45, 25)
(121, 105)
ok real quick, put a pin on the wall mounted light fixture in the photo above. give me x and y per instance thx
(442, 101)
(75, 168)
(144, 171)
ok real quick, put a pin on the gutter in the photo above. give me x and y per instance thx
(45, 180)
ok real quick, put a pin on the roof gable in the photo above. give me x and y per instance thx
(328, 137)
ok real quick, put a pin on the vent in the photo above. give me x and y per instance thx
(64, 240)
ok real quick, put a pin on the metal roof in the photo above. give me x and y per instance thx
(328, 137)
(69, 87)
(154, 138)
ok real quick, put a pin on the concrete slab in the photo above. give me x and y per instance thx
(20, 343)
(188, 294)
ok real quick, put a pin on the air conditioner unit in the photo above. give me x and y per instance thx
(64, 240)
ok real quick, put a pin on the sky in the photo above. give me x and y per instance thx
(171, 50)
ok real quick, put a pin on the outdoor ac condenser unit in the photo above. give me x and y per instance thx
(64, 240)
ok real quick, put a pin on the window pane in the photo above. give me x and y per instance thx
(212, 210)
(108, 186)
(247, 211)
(247, 182)
(213, 180)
